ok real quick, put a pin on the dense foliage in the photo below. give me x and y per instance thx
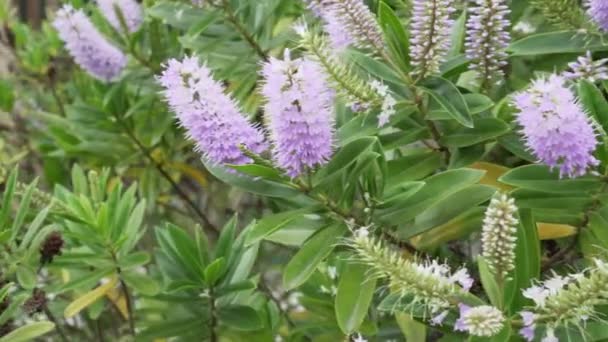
(305, 170)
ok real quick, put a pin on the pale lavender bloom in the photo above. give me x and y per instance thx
(598, 11)
(355, 18)
(527, 332)
(586, 68)
(463, 278)
(430, 31)
(87, 45)
(299, 113)
(211, 117)
(339, 36)
(460, 324)
(131, 12)
(555, 127)
(438, 319)
(487, 38)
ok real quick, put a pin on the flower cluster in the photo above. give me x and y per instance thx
(430, 31)
(564, 301)
(87, 45)
(130, 11)
(356, 18)
(598, 11)
(211, 118)
(588, 69)
(299, 111)
(487, 38)
(429, 283)
(339, 36)
(360, 94)
(483, 321)
(498, 235)
(556, 128)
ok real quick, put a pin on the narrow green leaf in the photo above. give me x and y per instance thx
(449, 97)
(28, 332)
(240, 317)
(354, 296)
(304, 263)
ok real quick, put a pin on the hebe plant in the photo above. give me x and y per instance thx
(305, 170)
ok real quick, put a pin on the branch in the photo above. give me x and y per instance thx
(182, 194)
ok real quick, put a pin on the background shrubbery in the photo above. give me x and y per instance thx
(286, 170)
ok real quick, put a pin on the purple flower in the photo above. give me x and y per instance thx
(131, 12)
(555, 127)
(586, 68)
(487, 38)
(598, 11)
(438, 319)
(339, 36)
(87, 46)
(431, 27)
(350, 21)
(460, 324)
(528, 330)
(527, 333)
(211, 118)
(299, 113)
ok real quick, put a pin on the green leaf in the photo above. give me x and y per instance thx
(24, 208)
(593, 100)
(26, 277)
(141, 283)
(485, 129)
(240, 317)
(436, 188)
(7, 199)
(272, 223)
(134, 260)
(179, 15)
(255, 170)
(527, 260)
(395, 35)
(449, 97)
(304, 263)
(354, 296)
(541, 178)
(214, 271)
(488, 281)
(7, 96)
(256, 186)
(447, 209)
(28, 332)
(556, 42)
(411, 329)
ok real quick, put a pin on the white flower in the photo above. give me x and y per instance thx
(555, 284)
(484, 320)
(359, 338)
(332, 272)
(538, 294)
(550, 337)
(463, 278)
(498, 235)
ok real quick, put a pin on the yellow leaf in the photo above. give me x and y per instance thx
(118, 299)
(551, 231)
(190, 171)
(89, 298)
(65, 275)
(493, 172)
